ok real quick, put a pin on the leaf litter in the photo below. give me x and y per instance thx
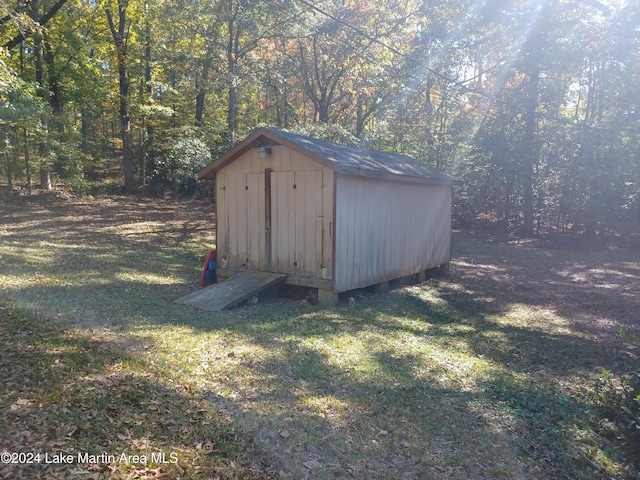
(476, 376)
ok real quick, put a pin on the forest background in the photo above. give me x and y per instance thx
(534, 104)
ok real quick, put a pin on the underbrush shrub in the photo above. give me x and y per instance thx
(617, 393)
(176, 170)
(69, 164)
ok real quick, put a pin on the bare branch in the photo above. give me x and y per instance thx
(42, 21)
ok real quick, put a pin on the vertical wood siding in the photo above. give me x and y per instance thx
(297, 222)
(308, 222)
(256, 242)
(387, 230)
(241, 224)
(300, 234)
(237, 219)
(283, 237)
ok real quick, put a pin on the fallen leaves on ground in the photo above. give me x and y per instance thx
(74, 404)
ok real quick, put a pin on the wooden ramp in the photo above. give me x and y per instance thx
(232, 291)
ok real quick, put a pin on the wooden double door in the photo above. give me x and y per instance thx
(273, 221)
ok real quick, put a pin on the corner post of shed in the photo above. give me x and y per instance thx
(327, 297)
(382, 287)
(444, 269)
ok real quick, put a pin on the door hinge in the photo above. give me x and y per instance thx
(295, 186)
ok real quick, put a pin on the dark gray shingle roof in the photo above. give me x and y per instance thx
(350, 158)
(346, 159)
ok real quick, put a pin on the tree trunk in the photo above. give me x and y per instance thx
(119, 39)
(200, 97)
(201, 88)
(232, 69)
(360, 117)
(530, 156)
(55, 100)
(9, 170)
(146, 142)
(45, 180)
(323, 109)
(41, 20)
(8, 161)
(127, 150)
(45, 176)
(27, 161)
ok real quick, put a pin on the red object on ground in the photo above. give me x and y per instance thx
(211, 256)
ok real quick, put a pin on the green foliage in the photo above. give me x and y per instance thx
(69, 163)
(177, 169)
(617, 394)
(448, 83)
(19, 102)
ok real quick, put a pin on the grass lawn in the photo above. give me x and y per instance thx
(484, 374)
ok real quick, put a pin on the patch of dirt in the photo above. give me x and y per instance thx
(596, 292)
(133, 219)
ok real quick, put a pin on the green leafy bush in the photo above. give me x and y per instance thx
(69, 164)
(176, 170)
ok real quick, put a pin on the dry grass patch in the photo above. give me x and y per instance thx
(79, 404)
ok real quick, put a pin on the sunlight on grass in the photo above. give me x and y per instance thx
(136, 228)
(432, 296)
(631, 265)
(328, 408)
(100, 405)
(535, 318)
(488, 361)
(26, 255)
(147, 278)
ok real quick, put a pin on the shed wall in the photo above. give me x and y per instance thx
(388, 229)
(244, 221)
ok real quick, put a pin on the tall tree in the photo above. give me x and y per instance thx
(119, 32)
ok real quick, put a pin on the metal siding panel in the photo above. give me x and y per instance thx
(384, 239)
(370, 228)
(355, 230)
(343, 233)
(328, 223)
(403, 228)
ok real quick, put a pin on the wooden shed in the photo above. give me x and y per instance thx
(332, 217)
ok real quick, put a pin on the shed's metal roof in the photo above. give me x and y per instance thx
(347, 159)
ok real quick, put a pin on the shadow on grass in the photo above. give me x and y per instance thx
(472, 377)
(424, 384)
(403, 413)
(85, 398)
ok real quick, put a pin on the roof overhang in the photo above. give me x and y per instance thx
(375, 174)
(259, 138)
(264, 137)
